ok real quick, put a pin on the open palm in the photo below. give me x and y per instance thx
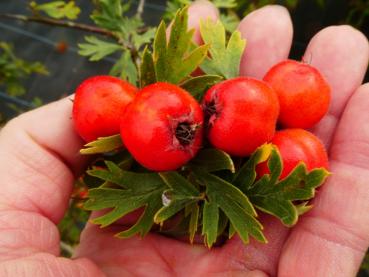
(39, 161)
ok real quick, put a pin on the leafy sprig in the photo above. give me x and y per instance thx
(57, 9)
(174, 58)
(206, 202)
(13, 70)
(127, 36)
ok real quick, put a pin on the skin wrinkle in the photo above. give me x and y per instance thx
(356, 241)
(56, 180)
(34, 234)
(169, 269)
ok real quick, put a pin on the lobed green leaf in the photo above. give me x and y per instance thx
(245, 177)
(58, 9)
(225, 59)
(174, 60)
(102, 145)
(147, 69)
(125, 68)
(210, 218)
(97, 49)
(212, 159)
(276, 197)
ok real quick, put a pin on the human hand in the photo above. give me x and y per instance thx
(39, 161)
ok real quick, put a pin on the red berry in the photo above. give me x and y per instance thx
(296, 145)
(242, 115)
(162, 127)
(98, 105)
(304, 95)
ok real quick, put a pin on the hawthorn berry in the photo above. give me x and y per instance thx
(241, 115)
(296, 145)
(98, 105)
(163, 127)
(303, 93)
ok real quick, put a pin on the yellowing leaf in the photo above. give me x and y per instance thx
(103, 145)
(225, 57)
(58, 9)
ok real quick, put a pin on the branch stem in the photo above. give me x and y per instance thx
(60, 23)
(140, 8)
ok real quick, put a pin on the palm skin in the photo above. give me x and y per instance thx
(39, 161)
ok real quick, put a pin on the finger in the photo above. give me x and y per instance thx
(268, 33)
(200, 10)
(257, 255)
(331, 240)
(341, 53)
(39, 158)
(48, 265)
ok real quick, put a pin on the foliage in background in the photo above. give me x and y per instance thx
(359, 11)
(74, 220)
(14, 70)
(128, 36)
(57, 9)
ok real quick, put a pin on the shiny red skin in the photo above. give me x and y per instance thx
(296, 145)
(99, 104)
(246, 115)
(149, 123)
(304, 95)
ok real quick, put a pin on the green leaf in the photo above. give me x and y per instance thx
(276, 197)
(194, 211)
(127, 179)
(173, 208)
(125, 68)
(210, 218)
(136, 190)
(235, 205)
(173, 60)
(97, 49)
(173, 6)
(212, 159)
(57, 9)
(230, 21)
(303, 208)
(225, 59)
(13, 70)
(143, 38)
(180, 194)
(180, 186)
(197, 86)
(147, 69)
(103, 145)
(109, 14)
(232, 232)
(245, 177)
(225, 4)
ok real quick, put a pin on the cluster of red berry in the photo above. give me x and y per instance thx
(163, 126)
